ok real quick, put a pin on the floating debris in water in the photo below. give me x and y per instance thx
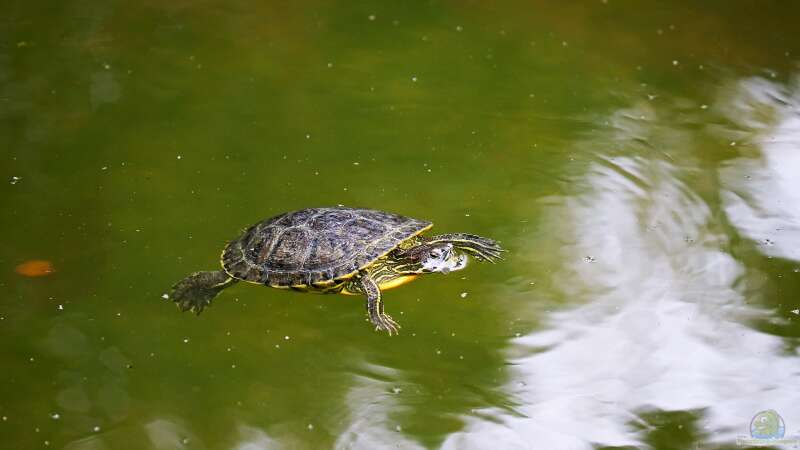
(396, 390)
(796, 312)
(35, 268)
(15, 180)
(589, 259)
(185, 340)
(464, 295)
(96, 429)
(55, 416)
(371, 17)
(165, 296)
(310, 426)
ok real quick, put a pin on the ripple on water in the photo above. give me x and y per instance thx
(660, 323)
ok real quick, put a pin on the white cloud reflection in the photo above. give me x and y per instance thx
(254, 438)
(369, 425)
(660, 322)
(762, 196)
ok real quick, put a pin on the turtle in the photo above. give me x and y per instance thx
(335, 250)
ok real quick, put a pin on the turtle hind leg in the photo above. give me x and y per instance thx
(196, 291)
(482, 248)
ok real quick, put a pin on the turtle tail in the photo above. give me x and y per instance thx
(196, 291)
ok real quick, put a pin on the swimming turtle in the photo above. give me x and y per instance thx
(334, 251)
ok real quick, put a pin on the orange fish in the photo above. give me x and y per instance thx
(35, 268)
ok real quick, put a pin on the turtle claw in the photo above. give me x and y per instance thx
(197, 309)
(387, 324)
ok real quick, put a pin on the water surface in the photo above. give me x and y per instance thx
(641, 163)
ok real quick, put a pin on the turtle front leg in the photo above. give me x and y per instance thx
(484, 249)
(381, 320)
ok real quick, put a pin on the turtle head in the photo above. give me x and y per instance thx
(442, 258)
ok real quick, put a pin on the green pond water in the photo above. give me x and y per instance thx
(639, 160)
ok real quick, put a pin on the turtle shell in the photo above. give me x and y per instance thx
(316, 246)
